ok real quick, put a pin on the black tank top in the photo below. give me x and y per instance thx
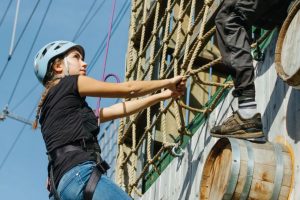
(66, 118)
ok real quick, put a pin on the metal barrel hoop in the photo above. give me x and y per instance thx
(235, 169)
(250, 171)
(279, 171)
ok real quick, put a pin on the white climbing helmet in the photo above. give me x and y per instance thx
(48, 53)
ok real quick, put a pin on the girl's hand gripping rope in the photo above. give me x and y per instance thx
(178, 84)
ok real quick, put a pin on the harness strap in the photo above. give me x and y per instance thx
(91, 184)
(65, 149)
(53, 188)
(99, 169)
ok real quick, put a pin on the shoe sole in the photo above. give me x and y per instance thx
(240, 134)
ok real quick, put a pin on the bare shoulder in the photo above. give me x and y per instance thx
(83, 79)
(87, 84)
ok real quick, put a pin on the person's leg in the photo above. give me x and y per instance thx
(71, 185)
(233, 37)
(233, 30)
(233, 24)
(106, 189)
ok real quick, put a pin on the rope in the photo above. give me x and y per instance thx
(140, 56)
(141, 53)
(162, 69)
(106, 53)
(185, 53)
(132, 176)
(149, 132)
(200, 35)
(178, 110)
(121, 157)
(132, 30)
(189, 32)
(116, 24)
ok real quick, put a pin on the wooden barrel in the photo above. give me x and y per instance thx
(287, 59)
(239, 169)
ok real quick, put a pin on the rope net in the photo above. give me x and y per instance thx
(167, 38)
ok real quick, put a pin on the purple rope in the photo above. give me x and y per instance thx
(113, 75)
(106, 53)
(108, 39)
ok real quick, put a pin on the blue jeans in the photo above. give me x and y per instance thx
(71, 185)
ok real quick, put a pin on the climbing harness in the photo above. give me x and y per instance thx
(88, 145)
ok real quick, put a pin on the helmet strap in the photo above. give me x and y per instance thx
(66, 67)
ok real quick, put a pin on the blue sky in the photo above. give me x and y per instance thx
(23, 158)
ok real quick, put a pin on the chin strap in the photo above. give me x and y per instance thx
(66, 67)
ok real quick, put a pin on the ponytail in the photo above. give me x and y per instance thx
(49, 84)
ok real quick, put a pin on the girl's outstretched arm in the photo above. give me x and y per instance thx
(91, 87)
(130, 107)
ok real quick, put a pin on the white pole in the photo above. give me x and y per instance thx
(14, 30)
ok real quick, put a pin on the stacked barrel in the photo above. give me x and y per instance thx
(239, 169)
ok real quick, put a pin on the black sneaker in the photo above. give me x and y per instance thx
(237, 127)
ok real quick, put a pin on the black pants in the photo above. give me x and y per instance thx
(233, 23)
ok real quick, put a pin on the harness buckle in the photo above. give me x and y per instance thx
(103, 166)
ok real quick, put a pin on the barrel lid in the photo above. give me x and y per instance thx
(217, 171)
(287, 59)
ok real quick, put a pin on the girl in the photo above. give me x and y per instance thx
(70, 127)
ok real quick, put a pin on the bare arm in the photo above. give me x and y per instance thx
(130, 107)
(90, 87)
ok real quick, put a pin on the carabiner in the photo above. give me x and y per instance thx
(175, 150)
